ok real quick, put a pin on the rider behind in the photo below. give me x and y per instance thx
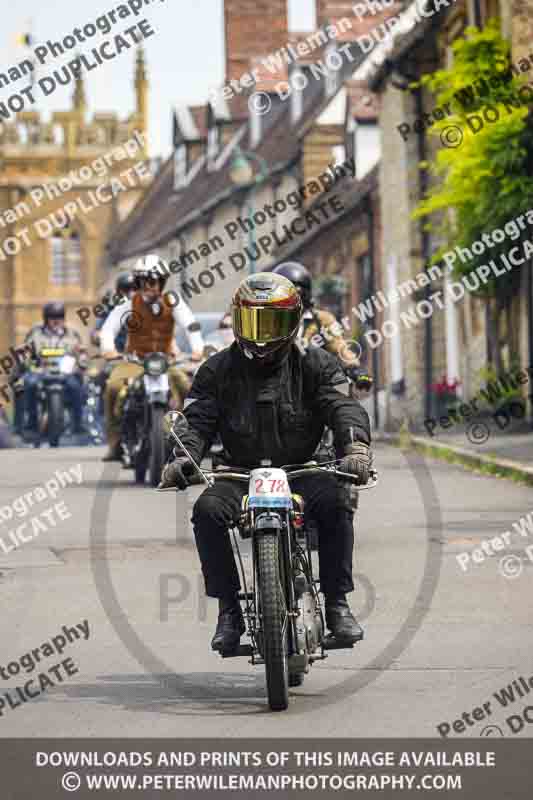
(53, 334)
(316, 322)
(150, 321)
(269, 402)
(124, 289)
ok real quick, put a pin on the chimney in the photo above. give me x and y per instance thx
(332, 11)
(252, 28)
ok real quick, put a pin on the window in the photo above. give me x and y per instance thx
(298, 82)
(180, 166)
(255, 128)
(333, 61)
(66, 258)
(212, 145)
(302, 15)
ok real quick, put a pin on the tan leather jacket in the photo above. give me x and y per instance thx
(321, 329)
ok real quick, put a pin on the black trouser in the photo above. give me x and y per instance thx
(325, 501)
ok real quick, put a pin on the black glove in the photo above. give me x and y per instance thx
(357, 461)
(176, 474)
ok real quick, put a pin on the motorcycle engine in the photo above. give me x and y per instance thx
(312, 622)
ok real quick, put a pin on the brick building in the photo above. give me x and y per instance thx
(231, 162)
(453, 341)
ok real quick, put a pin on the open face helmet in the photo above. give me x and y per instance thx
(148, 270)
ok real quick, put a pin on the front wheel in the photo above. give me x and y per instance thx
(157, 445)
(273, 621)
(56, 413)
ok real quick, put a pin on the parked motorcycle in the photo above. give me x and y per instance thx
(142, 436)
(281, 603)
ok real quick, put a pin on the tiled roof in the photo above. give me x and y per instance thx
(350, 193)
(163, 212)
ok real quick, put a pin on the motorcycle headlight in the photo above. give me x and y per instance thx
(155, 364)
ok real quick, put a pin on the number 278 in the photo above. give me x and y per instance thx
(276, 485)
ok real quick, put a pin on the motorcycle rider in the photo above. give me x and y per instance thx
(53, 334)
(124, 289)
(150, 319)
(269, 402)
(316, 321)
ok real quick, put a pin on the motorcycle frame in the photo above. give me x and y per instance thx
(263, 519)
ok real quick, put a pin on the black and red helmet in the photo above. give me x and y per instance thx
(265, 312)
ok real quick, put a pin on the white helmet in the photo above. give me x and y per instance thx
(151, 267)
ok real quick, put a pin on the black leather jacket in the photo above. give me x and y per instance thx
(278, 415)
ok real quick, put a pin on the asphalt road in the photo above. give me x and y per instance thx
(439, 641)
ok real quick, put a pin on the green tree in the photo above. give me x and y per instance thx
(486, 178)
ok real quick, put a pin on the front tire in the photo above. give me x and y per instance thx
(273, 621)
(140, 472)
(56, 412)
(157, 445)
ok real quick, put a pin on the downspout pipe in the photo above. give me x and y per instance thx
(426, 255)
(372, 253)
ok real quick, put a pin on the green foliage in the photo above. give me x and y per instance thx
(490, 375)
(330, 284)
(485, 179)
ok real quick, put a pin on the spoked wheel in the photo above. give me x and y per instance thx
(157, 445)
(273, 622)
(56, 414)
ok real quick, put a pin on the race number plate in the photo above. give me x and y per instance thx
(269, 488)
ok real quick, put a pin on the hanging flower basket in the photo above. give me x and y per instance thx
(444, 395)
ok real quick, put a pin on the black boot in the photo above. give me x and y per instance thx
(230, 626)
(341, 622)
(114, 452)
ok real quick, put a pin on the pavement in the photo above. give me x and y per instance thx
(440, 640)
(479, 445)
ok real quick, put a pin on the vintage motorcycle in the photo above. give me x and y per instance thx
(54, 365)
(95, 378)
(142, 432)
(281, 601)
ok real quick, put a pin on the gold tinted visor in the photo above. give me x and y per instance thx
(263, 325)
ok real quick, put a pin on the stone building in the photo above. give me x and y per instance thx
(208, 208)
(452, 341)
(64, 183)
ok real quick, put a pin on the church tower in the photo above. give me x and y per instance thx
(141, 90)
(58, 207)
